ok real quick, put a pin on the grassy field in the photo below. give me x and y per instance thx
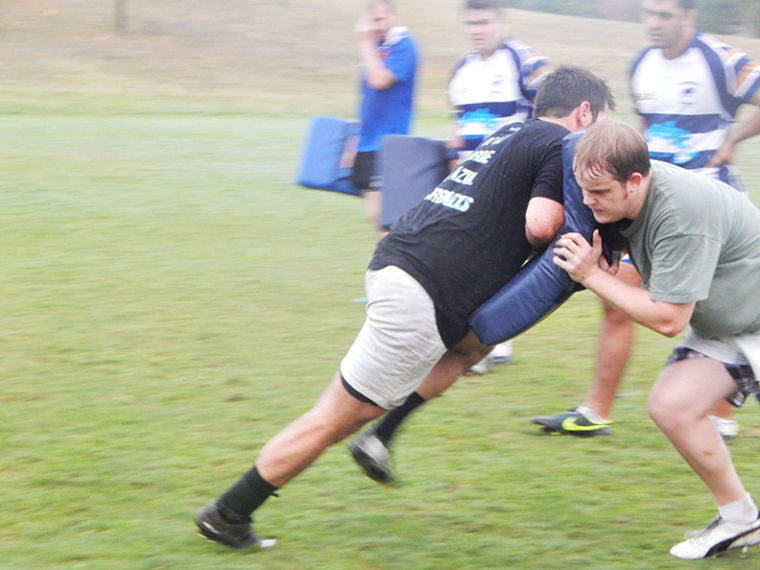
(169, 300)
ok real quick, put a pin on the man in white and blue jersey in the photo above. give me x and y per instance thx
(495, 83)
(687, 87)
(491, 86)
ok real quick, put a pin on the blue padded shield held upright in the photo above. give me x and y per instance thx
(540, 286)
(329, 142)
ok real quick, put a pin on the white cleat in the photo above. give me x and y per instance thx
(728, 429)
(717, 537)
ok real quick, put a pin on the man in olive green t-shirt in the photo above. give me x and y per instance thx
(696, 243)
(697, 239)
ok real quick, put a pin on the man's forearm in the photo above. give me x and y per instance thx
(745, 130)
(667, 319)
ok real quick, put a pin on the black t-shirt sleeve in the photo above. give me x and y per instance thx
(548, 183)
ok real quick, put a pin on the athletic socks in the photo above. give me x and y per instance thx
(590, 414)
(389, 423)
(743, 511)
(245, 496)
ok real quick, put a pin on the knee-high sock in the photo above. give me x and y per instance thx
(245, 496)
(387, 426)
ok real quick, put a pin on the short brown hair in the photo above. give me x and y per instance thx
(611, 147)
(563, 89)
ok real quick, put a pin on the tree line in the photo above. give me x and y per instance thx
(740, 17)
(716, 16)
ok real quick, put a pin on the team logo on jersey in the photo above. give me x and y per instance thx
(480, 121)
(497, 84)
(668, 135)
(689, 92)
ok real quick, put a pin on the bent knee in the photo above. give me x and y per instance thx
(665, 410)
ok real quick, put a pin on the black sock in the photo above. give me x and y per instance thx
(387, 426)
(245, 496)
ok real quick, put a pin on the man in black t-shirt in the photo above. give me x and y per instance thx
(467, 238)
(440, 261)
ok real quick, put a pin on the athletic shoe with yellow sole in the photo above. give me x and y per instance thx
(574, 422)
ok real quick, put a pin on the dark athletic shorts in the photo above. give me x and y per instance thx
(741, 373)
(364, 175)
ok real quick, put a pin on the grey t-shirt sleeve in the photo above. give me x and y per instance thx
(682, 268)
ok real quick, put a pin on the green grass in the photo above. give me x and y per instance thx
(169, 300)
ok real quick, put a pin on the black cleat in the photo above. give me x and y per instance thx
(372, 455)
(214, 526)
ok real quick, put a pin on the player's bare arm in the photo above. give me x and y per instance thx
(583, 262)
(725, 154)
(543, 219)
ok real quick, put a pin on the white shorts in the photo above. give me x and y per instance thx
(739, 354)
(399, 342)
(744, 349)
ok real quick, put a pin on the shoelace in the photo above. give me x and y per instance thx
(702, 531)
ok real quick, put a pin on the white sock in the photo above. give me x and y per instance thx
(590, 414)
(742, 511)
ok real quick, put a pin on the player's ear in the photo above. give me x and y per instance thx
(584, 116)
(634, 182)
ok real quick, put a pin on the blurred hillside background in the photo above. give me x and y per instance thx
(274, 57)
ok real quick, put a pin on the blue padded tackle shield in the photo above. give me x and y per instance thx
(540, 286)
(327, 155)
(410, 168)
